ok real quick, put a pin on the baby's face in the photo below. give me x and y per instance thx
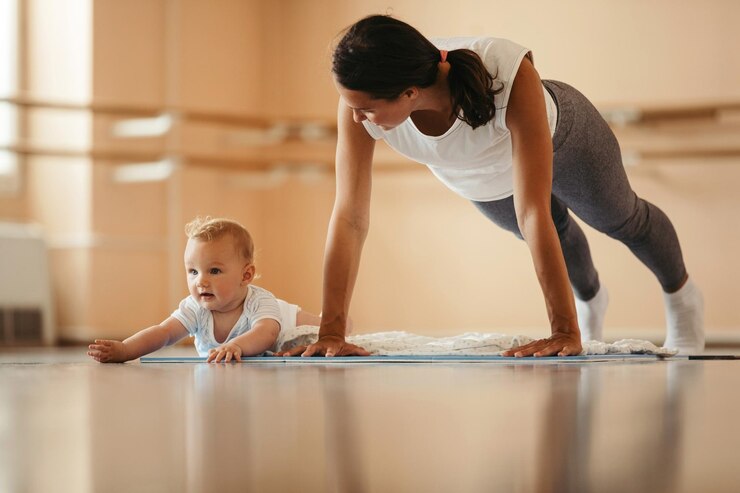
(217, 275)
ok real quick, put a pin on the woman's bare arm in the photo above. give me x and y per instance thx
(348, 227)
(533, 157)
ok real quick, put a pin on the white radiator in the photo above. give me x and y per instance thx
(26, 308)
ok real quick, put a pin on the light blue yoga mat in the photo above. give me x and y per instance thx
(272, 360)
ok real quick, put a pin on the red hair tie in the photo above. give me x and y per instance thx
(443, 55)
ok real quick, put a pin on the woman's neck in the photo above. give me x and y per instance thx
(434, 114)
(437, 98)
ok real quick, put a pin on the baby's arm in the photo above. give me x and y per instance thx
(257, 340)
(143, 342)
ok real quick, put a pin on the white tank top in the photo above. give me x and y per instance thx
(476, 164)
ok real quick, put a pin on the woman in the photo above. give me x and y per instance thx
(522, 150)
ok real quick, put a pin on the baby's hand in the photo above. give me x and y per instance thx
(106, 351)
(225, 352)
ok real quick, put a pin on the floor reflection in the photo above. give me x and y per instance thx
(350, 429)
(565, 436)
(251, 430)
(344, 457)
(136, 427)
(594, 438)
(658, 427)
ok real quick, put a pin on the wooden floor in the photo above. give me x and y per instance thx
(69, 424)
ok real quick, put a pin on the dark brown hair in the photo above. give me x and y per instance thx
(383, 57)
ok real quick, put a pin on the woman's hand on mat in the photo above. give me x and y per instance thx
(560, 343)
(226, 353)
(107, 351)
(327, 346)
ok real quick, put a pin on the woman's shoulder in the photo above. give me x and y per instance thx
(496, 53)
(474, 43)
(478, 44)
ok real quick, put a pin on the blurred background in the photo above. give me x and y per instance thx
(122, 120)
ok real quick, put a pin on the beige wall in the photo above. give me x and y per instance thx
(13, 207)
(631, 51)
(432, 263)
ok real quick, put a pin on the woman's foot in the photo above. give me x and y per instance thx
(591, 315)
(684, 313)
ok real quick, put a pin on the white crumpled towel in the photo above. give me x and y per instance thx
(470, 343)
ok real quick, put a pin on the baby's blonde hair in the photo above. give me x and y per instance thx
(212, 228)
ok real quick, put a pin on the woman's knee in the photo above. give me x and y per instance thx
(502, 214)
(560, 216)
(634, 228)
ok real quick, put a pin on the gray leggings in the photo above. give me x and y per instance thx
(589, 179)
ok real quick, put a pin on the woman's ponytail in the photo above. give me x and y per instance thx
(471, 88)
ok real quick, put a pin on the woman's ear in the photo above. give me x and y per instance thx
(248, 273)
(411, 93)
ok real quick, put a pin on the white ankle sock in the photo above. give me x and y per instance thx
(684, 313)
(591, 315)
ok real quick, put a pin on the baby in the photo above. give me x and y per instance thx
(228, 316)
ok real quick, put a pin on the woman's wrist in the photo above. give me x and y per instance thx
(333, 327)
(329, 331)
(566, 330)
(564, 325)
